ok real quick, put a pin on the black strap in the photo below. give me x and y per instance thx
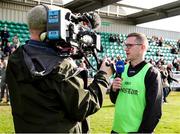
(46, 7)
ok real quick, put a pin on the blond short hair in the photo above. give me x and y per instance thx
(140, 38)
(37, 18)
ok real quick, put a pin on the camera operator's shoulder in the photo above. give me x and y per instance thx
(66, 68)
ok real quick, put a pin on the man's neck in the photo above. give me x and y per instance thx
(35, 38)
(137, 61)
(34, 35)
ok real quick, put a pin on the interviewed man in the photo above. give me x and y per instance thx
(138, 93)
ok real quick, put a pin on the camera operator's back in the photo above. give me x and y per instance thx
(47, 91)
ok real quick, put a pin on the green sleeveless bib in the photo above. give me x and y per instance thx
(130, 102)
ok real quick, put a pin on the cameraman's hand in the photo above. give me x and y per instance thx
(106, 68)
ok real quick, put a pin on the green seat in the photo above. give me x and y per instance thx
(21, 31)
(21, 39)
(117, 51)
(3, 25)
(5, 22)
(18, 27)
(24, 27)
(11, 34)
(11, 26)
(26, 32)
(108, 54)
(14, 31)
(107, 43)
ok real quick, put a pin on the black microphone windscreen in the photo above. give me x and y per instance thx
(97, 21)
(94, 19)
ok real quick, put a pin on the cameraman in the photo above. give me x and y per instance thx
(47, 92)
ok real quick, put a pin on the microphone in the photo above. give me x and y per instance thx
(119, 68)
(93, 20)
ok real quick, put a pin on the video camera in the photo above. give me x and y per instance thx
(68, 32)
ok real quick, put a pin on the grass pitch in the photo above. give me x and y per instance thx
(101, 122)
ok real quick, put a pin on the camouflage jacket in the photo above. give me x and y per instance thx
(48, 93)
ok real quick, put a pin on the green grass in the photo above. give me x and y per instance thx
(101, 121)
(6, 122)
(169, 123)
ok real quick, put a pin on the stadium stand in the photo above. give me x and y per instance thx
(21, 29)
(110, 49)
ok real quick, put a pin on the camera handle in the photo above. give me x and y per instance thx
(99, 61)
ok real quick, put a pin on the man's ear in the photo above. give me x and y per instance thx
(144, 47)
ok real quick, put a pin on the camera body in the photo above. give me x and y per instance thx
(67, 30)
